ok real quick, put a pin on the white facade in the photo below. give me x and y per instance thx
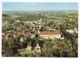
(70, 31)
(51, 36)
(21, 39)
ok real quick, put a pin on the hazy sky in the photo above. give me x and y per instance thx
(7, 6)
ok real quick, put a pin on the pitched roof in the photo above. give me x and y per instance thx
(49, 33)
(29, 47)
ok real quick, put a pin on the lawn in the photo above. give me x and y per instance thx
(27, 52)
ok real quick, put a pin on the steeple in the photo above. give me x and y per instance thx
(37, 46)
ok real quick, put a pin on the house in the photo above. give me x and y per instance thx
(17, 34)
(5, 37)
(62, 37)
(14, 35)
(21, 39)
(69, 30)
(72, 30)
(32, 35)
(50, 34)
(50, 28)
(29, 47)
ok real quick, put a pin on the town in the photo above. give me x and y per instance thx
(40, 33)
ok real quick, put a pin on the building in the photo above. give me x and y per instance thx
(29, 47)
(32, 35)
(21, 39)
(72, 30)
(50, 35)
(69, 30)
(37, 48)
(50, 28)
(5, 37)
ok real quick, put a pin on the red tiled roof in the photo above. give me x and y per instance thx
(49, 33)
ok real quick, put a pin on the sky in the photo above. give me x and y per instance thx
(11, 6)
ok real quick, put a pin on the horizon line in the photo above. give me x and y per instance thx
(39, 10)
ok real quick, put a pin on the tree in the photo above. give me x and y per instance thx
(5, 48)
(33, 42)
(47, 49)
(10, 47)
(64, 48)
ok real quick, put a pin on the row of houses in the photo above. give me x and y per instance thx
(48, 33)
(43, 34)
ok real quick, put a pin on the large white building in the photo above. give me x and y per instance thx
(50, 35)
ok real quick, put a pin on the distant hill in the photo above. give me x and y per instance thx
(4, 15)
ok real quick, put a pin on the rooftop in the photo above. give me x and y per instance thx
(49, 33)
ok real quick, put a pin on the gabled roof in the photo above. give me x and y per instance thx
(29, 47)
